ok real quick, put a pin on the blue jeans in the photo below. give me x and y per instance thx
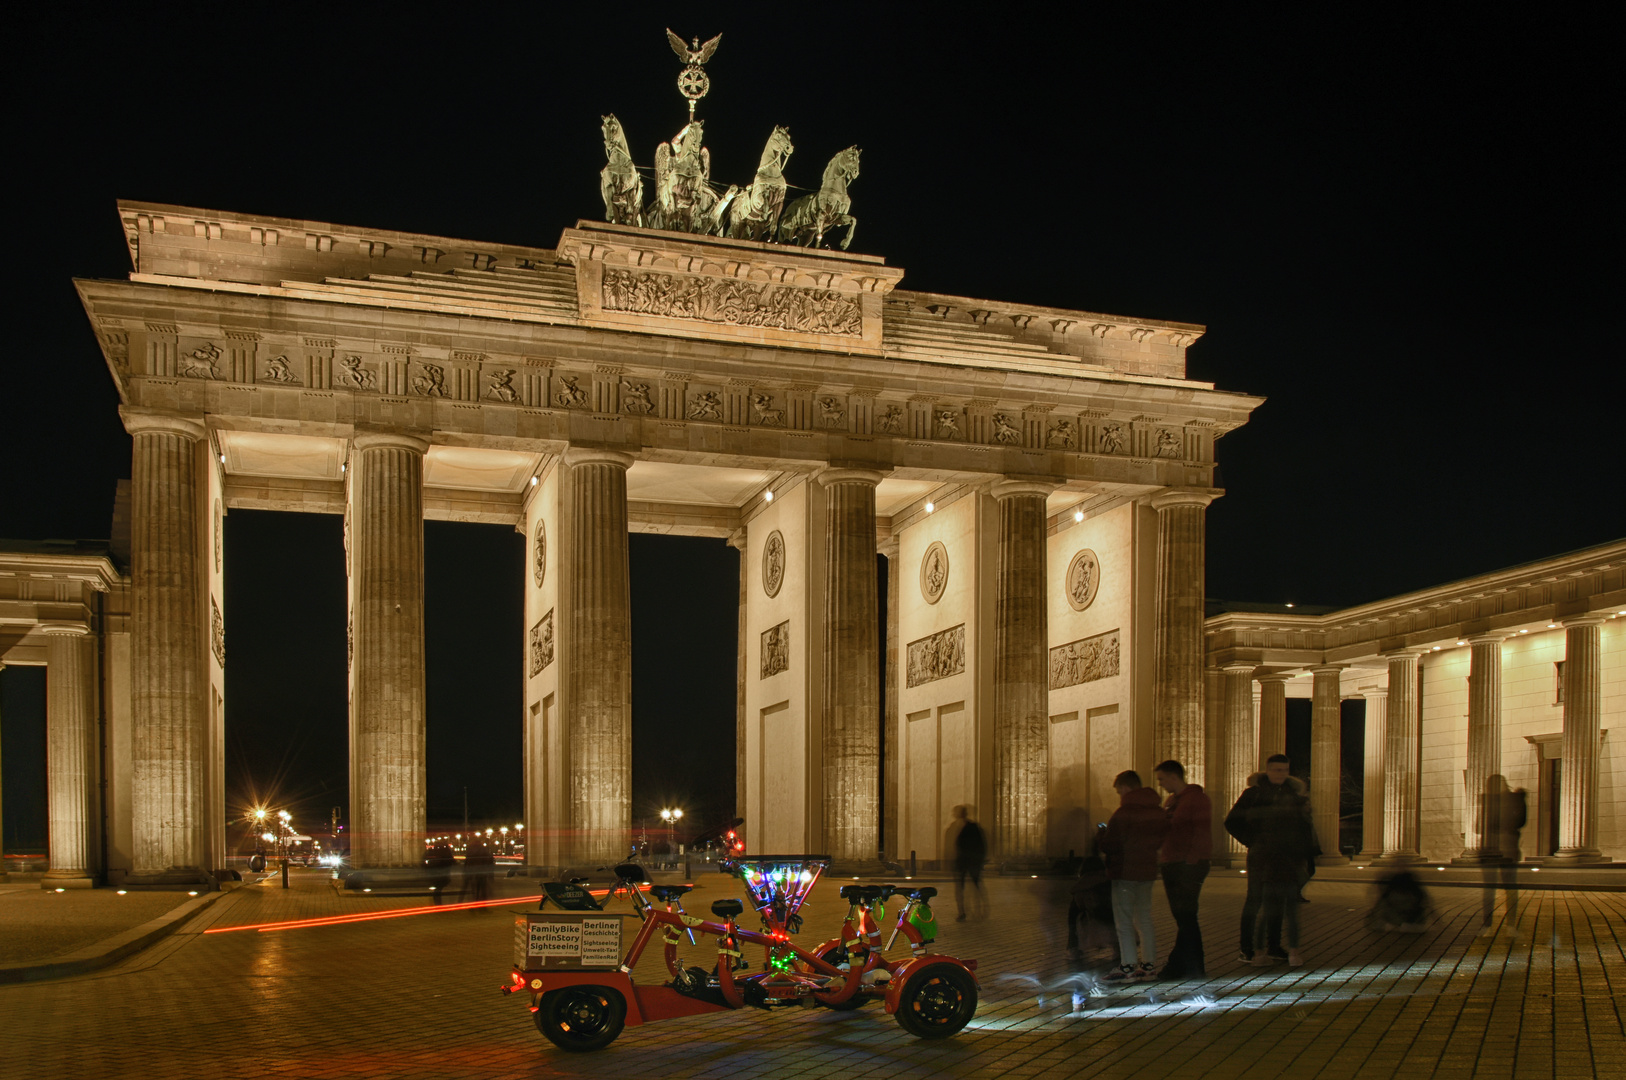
(1132, 911)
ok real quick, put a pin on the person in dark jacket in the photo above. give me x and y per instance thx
(1183, 862)
(970, 854)
(1272, 819)
(1505, 813)
(1130, 845)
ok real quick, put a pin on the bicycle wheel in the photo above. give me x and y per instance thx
(580, 1018)
(833, 953)
(937, 1001)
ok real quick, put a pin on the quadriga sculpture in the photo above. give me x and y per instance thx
(684, 200)
(619, 182)
(754, 214)
(812, 216)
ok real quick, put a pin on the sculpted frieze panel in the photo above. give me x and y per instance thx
(352, 375)
(217, 632)
(570, 394)
(1111, 439)
(501, 386)
(199, 363)
(539, 553)
(934, 572)
(542, 643)
(1083, 579)
(1169, 443)
(776, 649)
(938, 656)
(762, 407)
(278, 370)
(1063, 435)
(431, 382)
(636, 399)
(773, 564)
(728, 300)
(1084, 660)
(1007, 429)
(890, 419)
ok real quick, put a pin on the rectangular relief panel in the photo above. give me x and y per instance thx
(1084, 660)
(776, 649)
(937, 657)
(542, 643)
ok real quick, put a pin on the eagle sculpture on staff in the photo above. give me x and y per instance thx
(692, 81)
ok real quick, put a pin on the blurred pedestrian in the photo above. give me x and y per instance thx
(1505, 813)
(1130, 844)
(1272, 819)
(1183, 862)
(478, 867)
(1090, 903)
(970, 855)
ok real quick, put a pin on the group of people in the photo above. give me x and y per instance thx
(1148, 838)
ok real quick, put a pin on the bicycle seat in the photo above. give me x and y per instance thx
(667, 893)
(726, 909)
(861, 894)
(923, 893)
(630, 872)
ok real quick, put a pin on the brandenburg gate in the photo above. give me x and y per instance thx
(1037, 478)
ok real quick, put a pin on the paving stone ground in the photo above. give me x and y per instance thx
(417, 997)
(37, 923)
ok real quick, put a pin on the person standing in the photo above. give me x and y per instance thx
(1183, 862)
(1505, 814)
(1130, 844)
(1272, 818)
(970, 855)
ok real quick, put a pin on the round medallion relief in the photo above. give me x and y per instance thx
(773, 564)
(934, 572)
(1083, 579)
(539, 556)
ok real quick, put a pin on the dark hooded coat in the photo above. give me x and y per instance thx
(1273, 822)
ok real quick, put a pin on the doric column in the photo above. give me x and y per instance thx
(891, 759)
(1377, 713)
(1484, 743)
(1401, 761)
(387, 793)
(850, 734)
(4, 876)
(1238, 755)
(1326, 760)
(70, 754)
(169, 685)
(599, 701)
(1177, 656)
(1272, 714)
(1021, 676)
(737, 541)
(1583, 697)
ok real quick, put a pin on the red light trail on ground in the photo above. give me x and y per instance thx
(393, 913)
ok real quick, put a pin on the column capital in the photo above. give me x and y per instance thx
(1411, 653)
(1170, 497)
(1240, 668)
(1275, 677)
(738, 539)
(1585, 620)
(1011, 487)
(380, 440)
(581, 455)
(1486, 639)
(889, 547)
(138, 421)
(1328, 669)
(64, 629)
(836, 475)
(1372, 693)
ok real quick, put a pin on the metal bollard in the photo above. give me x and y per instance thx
(912, 870)
(284, 873)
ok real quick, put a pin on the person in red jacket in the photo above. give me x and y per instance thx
(1183, 860)
(1130, 842)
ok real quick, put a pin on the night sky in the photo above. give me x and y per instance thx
(1402, 231)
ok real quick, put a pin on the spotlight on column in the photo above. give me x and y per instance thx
(533, 481)
(930, 507)
(1078, 515)
(767, 496)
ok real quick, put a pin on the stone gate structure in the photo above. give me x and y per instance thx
(1037, 477)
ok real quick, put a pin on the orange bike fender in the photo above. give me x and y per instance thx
(664, 1003)
(894, 988)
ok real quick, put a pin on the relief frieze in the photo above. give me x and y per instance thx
(1084, 660)
(776, 649)
(726, 300)
(938, 656)
(542, 643)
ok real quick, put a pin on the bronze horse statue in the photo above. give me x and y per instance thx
(619, 182)
(812, 216)
(754, 214)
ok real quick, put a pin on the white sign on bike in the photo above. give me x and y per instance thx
(567, 940)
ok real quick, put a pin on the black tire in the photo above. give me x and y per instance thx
(836, 954)
(937, 1001)
(581, 1018)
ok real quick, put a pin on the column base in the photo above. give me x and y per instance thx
(1577, 857)
(51, 880)
(1474, 858)
(1332, 860)
(1368, 857)
(172, 879)
(1399, 859)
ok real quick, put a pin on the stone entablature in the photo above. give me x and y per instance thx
(44, 584)
(1530, 596)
